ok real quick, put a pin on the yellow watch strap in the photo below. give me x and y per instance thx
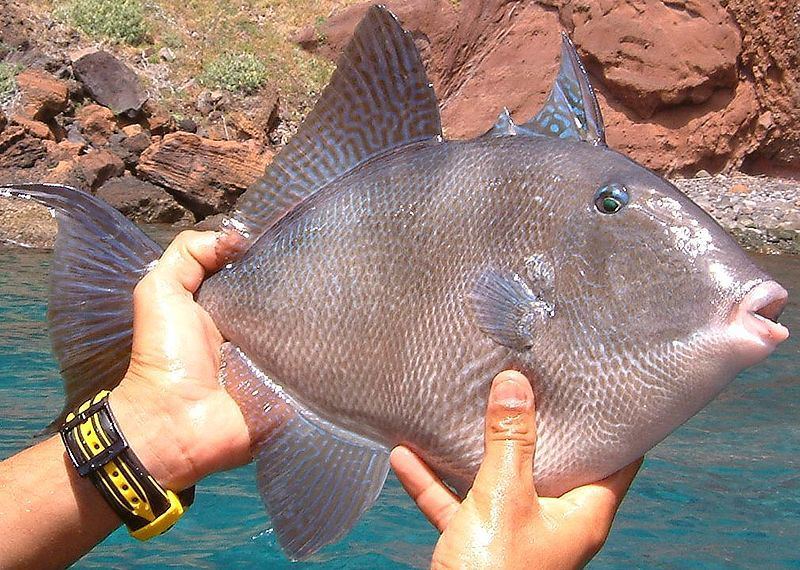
(99, 451)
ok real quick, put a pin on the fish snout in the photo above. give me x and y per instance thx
(755, 321)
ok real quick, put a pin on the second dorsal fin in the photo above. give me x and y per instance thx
(378, 98)
(571, 111)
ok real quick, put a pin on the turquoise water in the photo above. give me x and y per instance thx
(722, 492)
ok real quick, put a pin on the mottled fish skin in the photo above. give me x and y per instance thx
(357, 303)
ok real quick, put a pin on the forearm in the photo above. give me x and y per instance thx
(49, 516)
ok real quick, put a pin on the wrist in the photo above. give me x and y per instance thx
(181, 434)
(152, 433)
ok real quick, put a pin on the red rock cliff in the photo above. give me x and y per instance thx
(683, 84)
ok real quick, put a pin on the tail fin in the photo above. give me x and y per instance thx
(99, 258)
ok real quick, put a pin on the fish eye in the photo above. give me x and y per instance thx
(611, 198)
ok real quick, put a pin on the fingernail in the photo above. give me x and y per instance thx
(510, 393)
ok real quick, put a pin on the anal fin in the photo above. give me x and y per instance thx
(316, 479)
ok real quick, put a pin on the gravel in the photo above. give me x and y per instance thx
(763, 213)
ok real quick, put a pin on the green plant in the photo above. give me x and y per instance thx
(8, 81)
(235, 72)
(117, 20)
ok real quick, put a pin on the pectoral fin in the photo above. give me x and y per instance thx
(316, 479)
(507, 309)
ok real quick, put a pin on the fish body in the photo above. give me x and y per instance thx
(389, 274)
(360, 304)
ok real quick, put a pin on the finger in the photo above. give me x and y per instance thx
(510, 438)
(597, 503)
(192, 255)
(433, 498)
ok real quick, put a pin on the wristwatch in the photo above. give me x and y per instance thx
(98, 450)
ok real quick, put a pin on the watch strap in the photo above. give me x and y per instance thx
(98, 450)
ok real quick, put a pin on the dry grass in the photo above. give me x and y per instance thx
(198, 31)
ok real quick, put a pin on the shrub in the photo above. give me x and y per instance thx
(117, 20)
(8, 81)
(235, 72)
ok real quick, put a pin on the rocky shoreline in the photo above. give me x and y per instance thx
(93, 115)
(762, 213)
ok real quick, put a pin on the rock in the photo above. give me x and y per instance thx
(693, 45)
(26, 223)
(98, 166)
(34, 128)
(209, 101)
(66, 150)
(66, 172)
(309, 38)
(20, 150)
(166, 54)
(739, 189)
(187, 125)
(3, 120)
(143, 202)
(110, 83)
(258, 117)
(205, 175)
(665, 72)
(791, 221)
(159, 121)
(137, 144)
(770, 54)
(702, 174)
(96, 123)
(42, 96)
(132, 130)
(129, 148)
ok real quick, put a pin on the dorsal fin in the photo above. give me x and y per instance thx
(378, 98)
(571, 111)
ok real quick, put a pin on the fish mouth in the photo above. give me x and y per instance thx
(756, 318)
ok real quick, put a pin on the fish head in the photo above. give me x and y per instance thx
(649, 285)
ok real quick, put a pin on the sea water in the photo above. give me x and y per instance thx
(723, 491)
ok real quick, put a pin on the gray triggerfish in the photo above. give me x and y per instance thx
(388, 274)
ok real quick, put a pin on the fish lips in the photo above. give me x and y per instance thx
(753, 323)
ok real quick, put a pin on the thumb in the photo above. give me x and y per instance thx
(510, 438)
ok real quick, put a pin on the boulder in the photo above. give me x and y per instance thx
(132, 130)
(205, 175)
(159, 121)
(257, 117)
(42, 96)
(98, 166)
(96, 123)
(34, 128)
(66, 172)
(3, 120)
(692, 44)
(110, 83)
(18, 149)
(188, 125)
(64, 150)
(129, 147)
(143, 202)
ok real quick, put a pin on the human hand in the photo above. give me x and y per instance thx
(177, 418)
(502, 522)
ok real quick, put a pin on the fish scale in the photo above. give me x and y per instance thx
(387, 275)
